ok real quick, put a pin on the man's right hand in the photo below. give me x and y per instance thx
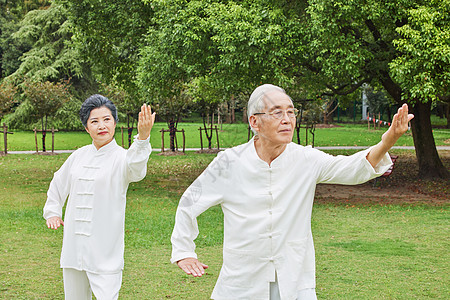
(192, 266)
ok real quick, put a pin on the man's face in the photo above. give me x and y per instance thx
(276, 131)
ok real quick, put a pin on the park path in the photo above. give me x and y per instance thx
(197, 149)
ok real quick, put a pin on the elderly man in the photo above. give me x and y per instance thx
(266, 190)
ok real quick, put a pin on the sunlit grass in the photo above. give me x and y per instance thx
(362, 252)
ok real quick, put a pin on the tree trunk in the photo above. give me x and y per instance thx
(172, 132)
(211, 134)
(208, 135)
(447, 114)
(389, 114)
(229, 108)
(233, 105)
(129, 130)
(430, 165)
(43, 134)
(244, 115)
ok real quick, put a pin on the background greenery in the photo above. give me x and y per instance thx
(230, 135)
(208, 56)
(362, 251)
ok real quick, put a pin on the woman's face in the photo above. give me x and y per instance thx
(101, 126)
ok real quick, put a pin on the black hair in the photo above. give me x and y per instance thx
(96, 101)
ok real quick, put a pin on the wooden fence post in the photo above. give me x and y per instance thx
(162, 140)
(184, 141)
(201, 140)
(217, 136)
(121, 132)
(35, 139)
(5, 137)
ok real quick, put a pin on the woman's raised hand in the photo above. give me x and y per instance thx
(146, 121)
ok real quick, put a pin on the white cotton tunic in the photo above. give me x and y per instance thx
(95, 182)
(267, 215)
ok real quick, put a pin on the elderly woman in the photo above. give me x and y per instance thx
(95, 179)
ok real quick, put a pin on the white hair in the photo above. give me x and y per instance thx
(256, 103)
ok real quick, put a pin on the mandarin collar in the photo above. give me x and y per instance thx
(111, 145)
(275, 163)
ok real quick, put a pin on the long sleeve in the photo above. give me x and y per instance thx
(353, 169)
(58, 190)
(206, 191)
(137, 158)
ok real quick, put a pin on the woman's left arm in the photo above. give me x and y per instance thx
(137, 155)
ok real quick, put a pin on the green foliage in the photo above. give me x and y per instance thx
(125, 103)
(45, 97)
(10, 49)
(20, 8)
(110, 35)
(42, 102)
(7, 98)
(377, 100)
(238, 45)
(162, 80)
(423, 66)
(51, 57)
(67, 117)
(159, 74)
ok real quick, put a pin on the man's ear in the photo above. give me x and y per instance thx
(87, 130)
(254, 123)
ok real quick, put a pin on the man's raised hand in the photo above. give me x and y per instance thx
(398, 127)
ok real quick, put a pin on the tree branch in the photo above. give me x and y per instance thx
(346, 89)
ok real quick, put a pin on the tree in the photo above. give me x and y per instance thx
(52, 55)
(207, 99)
(329, 47)
(422, 70)
(377, 100)
(45, 98)
(110, 34)
(7, 95)
(236, 45)
(162, 80)
(11, 12)
(348, 43)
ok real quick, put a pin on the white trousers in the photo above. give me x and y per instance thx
(79, 285)
(306, 294)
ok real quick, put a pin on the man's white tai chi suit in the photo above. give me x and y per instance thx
(267, 215)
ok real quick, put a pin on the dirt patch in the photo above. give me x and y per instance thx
(401, 187)
(208, 151)
(327, 125)
(45, 153)
(171, 153)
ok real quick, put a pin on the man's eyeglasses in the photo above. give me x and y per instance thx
(279, 113)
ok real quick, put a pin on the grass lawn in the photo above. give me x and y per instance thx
(230, 135)
(362, 252)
